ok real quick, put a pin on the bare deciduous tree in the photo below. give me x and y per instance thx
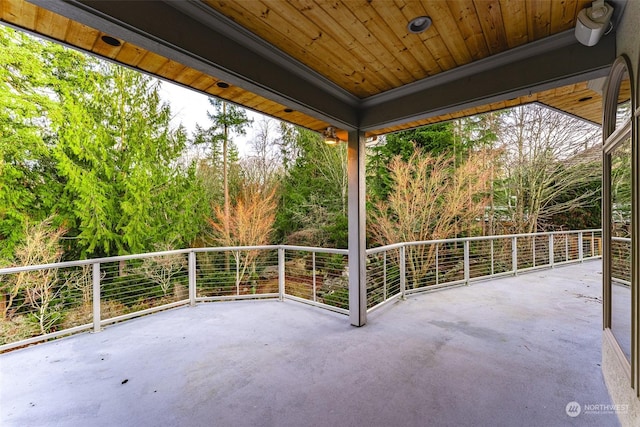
(543, 162)
(264, 164)
(37, 289)
(162, 269)
(429, 200)
(251, 223)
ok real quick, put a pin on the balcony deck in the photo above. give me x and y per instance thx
(504, 352)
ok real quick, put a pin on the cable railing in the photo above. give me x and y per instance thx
(621, 261)
(43, 302)
(398, 270)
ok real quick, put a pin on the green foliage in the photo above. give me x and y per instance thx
(435, 139)
(313, 207)
(336, 298)
(225, 119)
(123, 190)
(89, 142)
(27, 174)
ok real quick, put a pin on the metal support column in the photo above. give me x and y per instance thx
(192, 279)
(403, 272)
(467, 264)
(281, 273)
(96, 297)
(357, 223)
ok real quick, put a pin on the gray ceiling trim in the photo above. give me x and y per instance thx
(557, 110)
(536, 48)
(166, 31)
(566, 64)
(176, 30)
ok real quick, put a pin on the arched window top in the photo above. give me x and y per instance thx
(618, 105)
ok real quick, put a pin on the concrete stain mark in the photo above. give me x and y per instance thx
(470, 330)
(589, 298)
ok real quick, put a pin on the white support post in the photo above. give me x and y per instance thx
(492, 259)
(514, 255)
(551, 255)
(533, 250)
(192, 278)
(96, 297)
(437, 263)
(384, 276)
(313, 266)
(467, 266)
(281, 273)
(238, 273)
(357, 222)
(580, 247)
(403, 272)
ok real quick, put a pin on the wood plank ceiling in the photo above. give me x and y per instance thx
(362, 47)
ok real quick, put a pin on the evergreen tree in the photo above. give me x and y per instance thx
(313, 207)
(123, 188)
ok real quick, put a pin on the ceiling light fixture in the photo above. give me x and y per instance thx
(111, 41)
(329, 136)
(419, 24)
(222, 85)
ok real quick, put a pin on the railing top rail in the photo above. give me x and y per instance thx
(475, 239)
(384, 248)
(312, 249)
(79, 263)
(621, 239)
(234, 248)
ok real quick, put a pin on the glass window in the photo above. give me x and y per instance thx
(620, 246)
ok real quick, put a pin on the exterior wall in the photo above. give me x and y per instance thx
(627, 37)
(613, 363)
(618, 382)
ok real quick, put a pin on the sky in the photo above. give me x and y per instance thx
(190, 108)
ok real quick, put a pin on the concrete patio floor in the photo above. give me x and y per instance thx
(507, 352)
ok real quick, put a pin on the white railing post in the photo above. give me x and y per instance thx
(192, 278)
(551, 256)
(437, 263)
(384, 276)
(533, 250)
(96, 297)
(281, 273)
(403, 275)
(514, 255)
(238, 272)
(580, 248)
(467, 273)
(492, 258)
(313, 265)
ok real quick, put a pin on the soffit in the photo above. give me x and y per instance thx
(339, 63)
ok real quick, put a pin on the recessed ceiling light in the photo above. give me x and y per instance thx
(222, 85)
(111, 41)
(419, 24)
(586, 98)
(288, 110)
